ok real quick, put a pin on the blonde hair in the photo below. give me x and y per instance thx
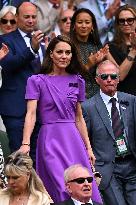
(20, 164)
(6, 9)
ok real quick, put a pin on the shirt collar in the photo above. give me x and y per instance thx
(102, 2)
(76, 202)
(50, 4)
(106, 98)
(23, 34)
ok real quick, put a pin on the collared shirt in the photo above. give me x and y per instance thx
(108, 104)
(76, 202)
(50, 4)
(27, 41)
(101, 5)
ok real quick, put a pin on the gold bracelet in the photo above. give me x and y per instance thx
(26, 144)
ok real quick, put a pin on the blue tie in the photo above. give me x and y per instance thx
(5, 2)
(104, 6)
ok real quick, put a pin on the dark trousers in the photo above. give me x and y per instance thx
(14, 128)
(122, 187)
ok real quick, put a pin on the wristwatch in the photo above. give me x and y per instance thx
(130, 58)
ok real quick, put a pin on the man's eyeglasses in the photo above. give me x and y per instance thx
(81, 180)
(64, 20)
(105, 76)
(5, 21)
(129, 21)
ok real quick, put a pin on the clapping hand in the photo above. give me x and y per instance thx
(3, 51)
(98, 56)
(132, 38)
(47, 39)
(112, 9)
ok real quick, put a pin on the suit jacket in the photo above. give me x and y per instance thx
(102, 22)
(101, 134)
(16, 68)
(70, 202)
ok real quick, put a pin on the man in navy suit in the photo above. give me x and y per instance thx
(111, 122)
(24, 59)
(79, 186)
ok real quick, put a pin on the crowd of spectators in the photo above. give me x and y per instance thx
(54, 55)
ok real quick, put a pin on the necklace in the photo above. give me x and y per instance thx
(20, 200)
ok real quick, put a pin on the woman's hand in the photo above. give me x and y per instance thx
(3, 51)
(91, 156)
(24, 149)
(98, 56)
(132, 38)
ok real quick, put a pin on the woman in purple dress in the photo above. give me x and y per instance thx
(63, 141)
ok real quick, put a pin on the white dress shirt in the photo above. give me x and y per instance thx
(76, 202)
(108, 104)
(27, 41)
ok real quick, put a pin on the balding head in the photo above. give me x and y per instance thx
(27, 17)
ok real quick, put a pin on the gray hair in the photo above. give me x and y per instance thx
(6, 9)
(71, 169)
(105, 62)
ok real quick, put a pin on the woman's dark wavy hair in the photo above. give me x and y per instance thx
(73, 68)
(119, 39)
(93, 36)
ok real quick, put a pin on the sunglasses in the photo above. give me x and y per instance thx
(81, 180)
(5, 21)
(105, 76)
(129, 21)
(64, 20)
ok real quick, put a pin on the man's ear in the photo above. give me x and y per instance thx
(96, 78)
(68, 188)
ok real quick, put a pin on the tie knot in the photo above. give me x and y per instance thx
(104, 5)
(29, 35)
(113, 101)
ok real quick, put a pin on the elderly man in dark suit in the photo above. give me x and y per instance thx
(24, 59)
(111, 122)
(79, 186)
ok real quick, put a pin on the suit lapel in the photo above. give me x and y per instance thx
(103, 112)
(20, 40)
(123, 111)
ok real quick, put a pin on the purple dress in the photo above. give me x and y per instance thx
(59, 142)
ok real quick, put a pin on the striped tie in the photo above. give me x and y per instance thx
(117, 124)
(5, 3)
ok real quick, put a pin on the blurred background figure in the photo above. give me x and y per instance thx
(7, 19)
(3, 52)
(48, 14)
(24, 185)
(104, 11)
(63, 25)
(3, 181)
(84, 34)
(7, 24)
(123, 47)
